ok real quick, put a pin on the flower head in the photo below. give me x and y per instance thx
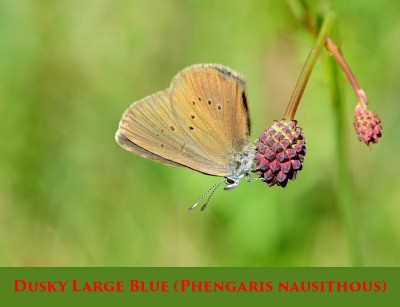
(368, 125)
(280, 151)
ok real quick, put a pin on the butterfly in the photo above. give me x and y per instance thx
(201, 122)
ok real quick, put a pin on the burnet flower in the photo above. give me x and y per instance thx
(280, 151)
(367, 124)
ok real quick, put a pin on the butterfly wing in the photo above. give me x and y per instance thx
(174, 127)
(210, 103)
(148, 129)
(130, 146)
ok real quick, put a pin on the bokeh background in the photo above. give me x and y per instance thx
(70, 196)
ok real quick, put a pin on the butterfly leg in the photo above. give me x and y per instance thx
(253, 179)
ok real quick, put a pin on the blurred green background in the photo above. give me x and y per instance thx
(70, 196)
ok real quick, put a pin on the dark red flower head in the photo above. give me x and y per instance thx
(280, 151)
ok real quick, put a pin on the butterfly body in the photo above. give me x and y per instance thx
(201, 122)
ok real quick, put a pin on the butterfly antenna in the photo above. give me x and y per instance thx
(213, 188)
(212, 193)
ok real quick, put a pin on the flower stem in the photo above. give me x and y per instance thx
(345, 196)
(337, 55)
(308, 67)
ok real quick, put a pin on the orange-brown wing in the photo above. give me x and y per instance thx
(132, 147)
(209, 102)
(200, 122)
(148, 128)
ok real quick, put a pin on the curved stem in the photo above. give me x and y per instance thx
(337, 55)
(345, 196)
(308, 67)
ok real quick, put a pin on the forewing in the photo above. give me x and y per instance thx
(210, 104)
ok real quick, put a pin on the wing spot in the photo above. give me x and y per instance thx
(162, 130)
(193, 102)
(199, 98)
(219, 107)
(162, 145)
(172, 128)
(191, 128)
(209, 102)
(193, 117)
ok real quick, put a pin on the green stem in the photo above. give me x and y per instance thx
(345, 196)
(308, 67)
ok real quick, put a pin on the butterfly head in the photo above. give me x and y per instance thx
(241, 166)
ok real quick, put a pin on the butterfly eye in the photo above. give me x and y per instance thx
(229, 180)
(231, 183)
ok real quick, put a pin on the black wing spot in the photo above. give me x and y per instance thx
(244, 101)
(162, 145)
(193, 117)
(162, 130)
(191, 128)
(246, 108)
(219, 107)
(193, 102)
(199, 98)
(209, 102)
(172, 128)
